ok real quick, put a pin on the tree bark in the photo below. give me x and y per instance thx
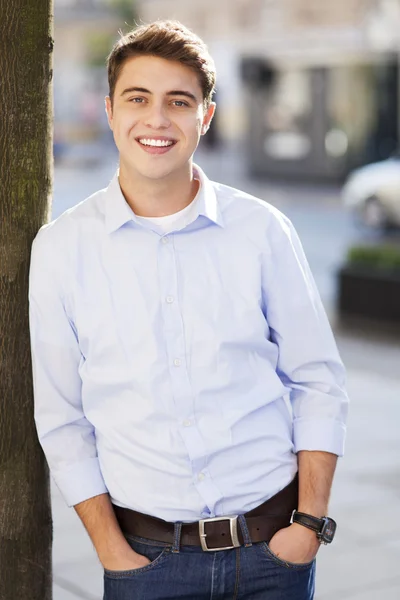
(25, 186)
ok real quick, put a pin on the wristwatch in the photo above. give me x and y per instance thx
(324, 528)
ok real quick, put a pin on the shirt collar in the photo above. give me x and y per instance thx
(207, 201)
(118, 211)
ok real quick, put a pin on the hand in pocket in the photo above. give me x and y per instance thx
(295, 544)
(128, 561)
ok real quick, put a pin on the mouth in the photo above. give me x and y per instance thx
(156, 145)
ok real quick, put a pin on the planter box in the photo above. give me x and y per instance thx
(369, 292)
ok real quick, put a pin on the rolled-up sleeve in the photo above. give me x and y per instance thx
(66, 436)
(309, 364)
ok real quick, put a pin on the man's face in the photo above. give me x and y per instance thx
(157, 116)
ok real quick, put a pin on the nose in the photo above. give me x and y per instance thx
(156, 117)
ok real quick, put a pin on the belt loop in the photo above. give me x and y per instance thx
(245, 531)
(177, 537)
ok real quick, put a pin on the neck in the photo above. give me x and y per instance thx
(158, 198)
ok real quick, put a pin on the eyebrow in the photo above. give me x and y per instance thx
(171, 93)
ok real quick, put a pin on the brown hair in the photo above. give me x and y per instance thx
(166, 39)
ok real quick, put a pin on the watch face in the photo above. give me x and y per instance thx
(328, 530)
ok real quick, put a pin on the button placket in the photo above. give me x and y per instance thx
(173, 323)
(182, 393)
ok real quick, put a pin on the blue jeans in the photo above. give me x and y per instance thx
(250, 572)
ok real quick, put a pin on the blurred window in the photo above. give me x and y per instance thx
(290, 100)
(287, 115)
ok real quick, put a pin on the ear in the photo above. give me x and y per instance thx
(208, 118)
(108, 107)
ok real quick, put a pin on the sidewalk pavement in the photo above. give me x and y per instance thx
(363, 561)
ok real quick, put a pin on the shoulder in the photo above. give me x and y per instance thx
(55, 247)
(258, 213)
(61, 231)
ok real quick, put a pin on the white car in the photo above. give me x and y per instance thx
(372, 192)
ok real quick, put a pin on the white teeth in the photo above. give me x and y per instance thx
(149, 142)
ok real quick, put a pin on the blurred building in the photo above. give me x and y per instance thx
(84, 31)
(313, 86)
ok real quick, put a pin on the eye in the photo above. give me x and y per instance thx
(136, 100)
(180, 103)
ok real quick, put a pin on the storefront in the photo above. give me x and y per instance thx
(321, 122)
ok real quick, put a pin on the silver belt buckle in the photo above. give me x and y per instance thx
(233, 529)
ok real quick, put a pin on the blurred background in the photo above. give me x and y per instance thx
(308, 119)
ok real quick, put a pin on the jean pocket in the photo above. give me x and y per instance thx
(265, 549)
(156, 554)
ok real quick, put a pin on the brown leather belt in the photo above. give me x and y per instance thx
(217, 533)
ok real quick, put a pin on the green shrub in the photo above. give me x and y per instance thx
(379, 257)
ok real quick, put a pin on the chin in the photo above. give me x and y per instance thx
(159, 171)
(156, 173)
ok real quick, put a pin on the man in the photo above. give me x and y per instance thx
(184, 367)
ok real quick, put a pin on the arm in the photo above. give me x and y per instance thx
(310, 367)
(308, 361)
(297, 543)
(100, 522)
(316, 471)
(65, 434)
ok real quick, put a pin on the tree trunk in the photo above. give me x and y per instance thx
(25, 185)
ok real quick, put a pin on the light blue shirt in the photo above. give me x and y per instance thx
(180, 372)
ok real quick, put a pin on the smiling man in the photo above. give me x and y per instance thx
(189, 395)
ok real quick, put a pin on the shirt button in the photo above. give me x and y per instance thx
(201, 476)
(165, 240)
(177, 362)
(187, 423)
(169, 299)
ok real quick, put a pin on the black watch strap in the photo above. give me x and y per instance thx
(308, 521)
(324, 528)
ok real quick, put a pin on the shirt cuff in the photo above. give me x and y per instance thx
(320, 435)
(80, 481)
